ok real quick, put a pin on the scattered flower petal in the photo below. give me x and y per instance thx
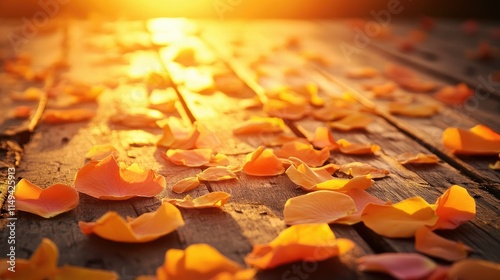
(360, 169)
(454, 208)
(105, 179)
(472, 269)
(260, 125)
(286, 110)
(185, 264)
(186, 185)
(99, 152)
(431, 244)
(323, 138)
(409, 158)
(398, 265)
(145, 228)
(138, 117)
(307, 242)
(301, 174)
(407, 79)
(210, 200)
(361, 73)
(479, 140)
(48, 202)
(344, 185)
(418, 110)
(191, 158)
(53, 116)
(305, 152)
(384, 90)
(401, 219)
(217, 173)
(318, 207)
(352, 121)
(263, 162)
(347, 147)
(454, 95)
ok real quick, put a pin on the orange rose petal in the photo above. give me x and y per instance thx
(301, 174)
(138, 117)
(263, 162)
(331, 113)
(177, 137)
(479, 140)
(347, 147)
(260, 125)
(454, 208)
(105, 179)
(323, 138)
(362, 73)
(360, 169)
(472, 269)
(402, 219)
(22, 112)
(41, 265)
(398, 265)
(454, 95)
(413, 110)
(99, 152)
(218, 160)
(431, 244)
(307, 242)
(186, 185)
(351, 122)
(286, 110)
(344, 185)
(407, 79)
(305, 152)
(361, 199)
(185, 264)
(281, 139)
(210, 200)
(318, 207)
(146, 227)
(52, 116)
(217, 173)
(191, 158)
(409, 158)
(47, 202)
(207, 139)
(384, 90)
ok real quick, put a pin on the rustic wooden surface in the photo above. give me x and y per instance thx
(254, 214)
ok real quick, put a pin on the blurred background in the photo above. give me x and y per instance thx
(480, 9)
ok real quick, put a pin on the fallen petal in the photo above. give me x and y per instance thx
(186, 185)
(361, 169)
(263, 162)
(347, 147)
(454, 208)
(429, 243)
(260, 125)
(99, 152)
(304, 152)
(479, 140)
(53, 116)
(472, 269)
(191, 158)
(352, 121)
(210, 200)
(361, 199)
(398, 265)
(217, 173)
(410, 158)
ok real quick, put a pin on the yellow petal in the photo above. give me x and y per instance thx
(210, 200)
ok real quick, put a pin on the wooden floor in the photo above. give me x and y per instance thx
(122, 51)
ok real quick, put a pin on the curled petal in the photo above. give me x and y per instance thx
(360, 169)
(99, 152)
(105, 179)
(210, 200)
(260, 125)
(479, 140)
(177, 137)
(399, 265)
(352, 121)
(207, 139)
(402, 219)
(307, 242)
(47, 202)
(434, 245)
(53, 116)
(263, 162)
(318, 207)
(305, 152)
(185, 264)
(413, 110)
(146, 227)
(454, 208)
(186, 185)
(286, 110)
(344, 185)
(409, 158)
(217, 173)
(347, 147)
(301, 174)
(472, 269)
(191, 158)
(323, 138)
